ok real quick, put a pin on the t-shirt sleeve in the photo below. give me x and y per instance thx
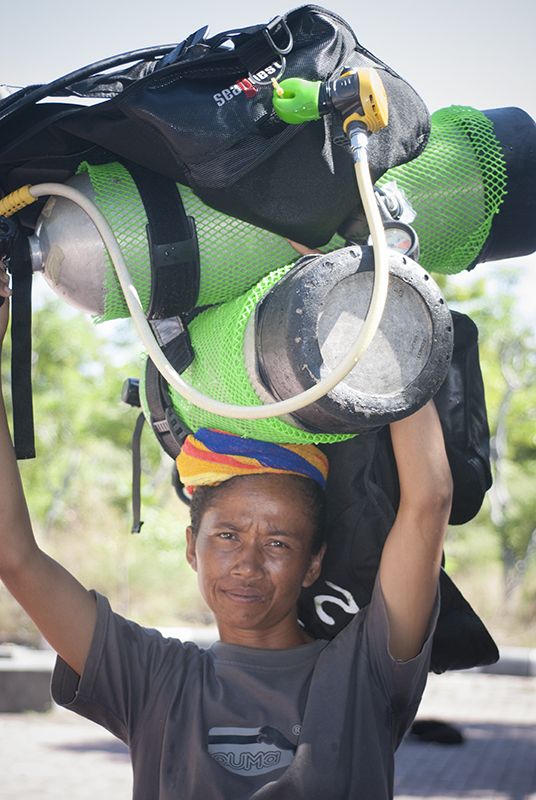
(402, 682)
(125, 665)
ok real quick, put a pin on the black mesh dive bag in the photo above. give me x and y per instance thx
(202, 115)
(362, 496)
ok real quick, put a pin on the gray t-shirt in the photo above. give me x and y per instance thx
(317, 722)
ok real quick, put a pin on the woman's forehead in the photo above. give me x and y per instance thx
(258, 497)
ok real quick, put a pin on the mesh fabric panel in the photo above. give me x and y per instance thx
(118, 199)
(456, 186)
(218, 371)
(234, 255)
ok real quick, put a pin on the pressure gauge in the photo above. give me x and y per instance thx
(402, 238)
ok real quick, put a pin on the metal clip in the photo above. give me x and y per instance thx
(272, 25)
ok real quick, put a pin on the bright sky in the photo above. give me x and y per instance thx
(463, 52)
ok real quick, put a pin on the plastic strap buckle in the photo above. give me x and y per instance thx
(174, 339)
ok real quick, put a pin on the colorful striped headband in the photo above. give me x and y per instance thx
(211, 457)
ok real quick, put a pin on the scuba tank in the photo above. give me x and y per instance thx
(291, 329)
(472, 187)
(69, 252)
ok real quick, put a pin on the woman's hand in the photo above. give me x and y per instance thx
(302, 249)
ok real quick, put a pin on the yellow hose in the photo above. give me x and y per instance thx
(15, 201)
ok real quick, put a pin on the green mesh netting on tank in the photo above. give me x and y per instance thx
(234, 255)
(218, 371)
(118, 199)
(456, 187)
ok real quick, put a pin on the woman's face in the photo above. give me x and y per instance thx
(252, 555)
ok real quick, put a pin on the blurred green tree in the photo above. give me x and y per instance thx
(79, 486)
(508, 362)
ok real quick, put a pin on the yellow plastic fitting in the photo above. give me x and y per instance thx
(18, 199)
(373, 99)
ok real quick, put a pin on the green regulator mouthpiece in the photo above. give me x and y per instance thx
(296, 100)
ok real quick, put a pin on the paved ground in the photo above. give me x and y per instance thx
(56, 756)
(497, 761)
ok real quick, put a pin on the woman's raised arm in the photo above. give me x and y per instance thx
(62, 609)
(411, 558)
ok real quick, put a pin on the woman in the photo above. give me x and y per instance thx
(267, 712)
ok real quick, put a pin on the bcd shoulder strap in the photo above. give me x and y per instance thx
(21, 349)
(175, 269)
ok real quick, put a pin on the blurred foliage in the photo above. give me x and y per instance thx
(504, 532)
(79, 486)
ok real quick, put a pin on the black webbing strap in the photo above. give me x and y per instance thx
(172, 245)
(169, 430)
(258, 45)
(136, 474)
(20, 266)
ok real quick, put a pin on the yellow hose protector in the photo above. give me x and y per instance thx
(15, 201)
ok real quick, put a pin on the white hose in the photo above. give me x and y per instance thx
(370, 325)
